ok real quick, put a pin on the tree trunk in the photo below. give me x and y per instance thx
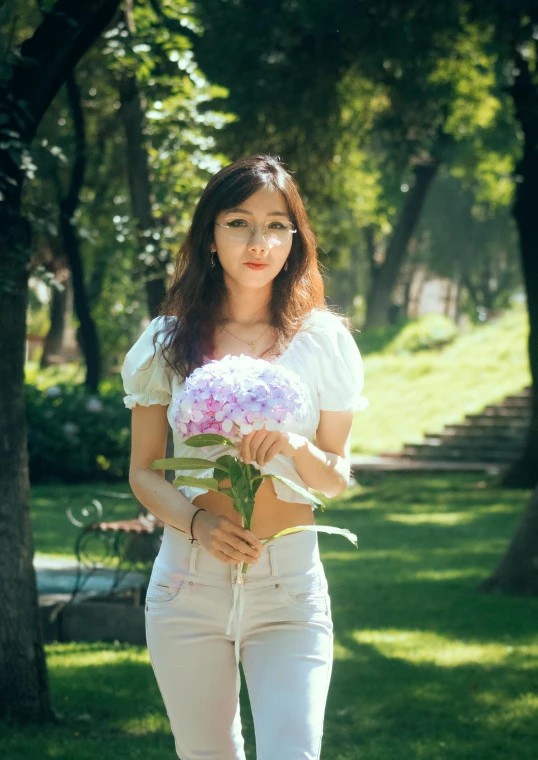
(517, 572)
(524, 474)
(24, 693)
(87, 334)
(43, 63)
(87, 337)
(385, 275)
(55, 337)
(132, 111)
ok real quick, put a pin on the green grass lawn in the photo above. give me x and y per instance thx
(425, 667)
(413, 394)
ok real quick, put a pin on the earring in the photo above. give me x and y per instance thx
(286, 266)
(213, 258)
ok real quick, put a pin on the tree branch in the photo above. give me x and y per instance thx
(56, 46)
(172, 24)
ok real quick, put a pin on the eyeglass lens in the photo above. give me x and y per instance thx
(276, 233)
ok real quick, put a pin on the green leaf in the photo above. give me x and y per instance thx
(243, 493)
(185, 480)
(255, 485)
(182, 463)
(252, 471)
(236, 470)
(224, 461)
(219, 474)
(208, 439)
(296, 487)
(317, 529)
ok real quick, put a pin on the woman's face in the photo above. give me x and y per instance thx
(264, 207)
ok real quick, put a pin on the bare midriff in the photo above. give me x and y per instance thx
(270, 515)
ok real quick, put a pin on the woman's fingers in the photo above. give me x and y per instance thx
(255, 446)
(242, 550)
(263, 455)
(244, 451)
(247, 536)
(237, 555)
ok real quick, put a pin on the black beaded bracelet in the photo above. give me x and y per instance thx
(201, 509)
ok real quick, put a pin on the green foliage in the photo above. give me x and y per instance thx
(430, 331)
(74, 435)
(69, 373)
(376, 339)
(408, 83)
(178, 128)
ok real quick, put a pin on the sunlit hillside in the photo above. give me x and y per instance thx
(414, 393)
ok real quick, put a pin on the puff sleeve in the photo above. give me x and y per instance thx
(341, 374)
(145, 374)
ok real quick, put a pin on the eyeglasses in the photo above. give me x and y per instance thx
(275, 233)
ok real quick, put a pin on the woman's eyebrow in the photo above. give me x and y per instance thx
(244, 211)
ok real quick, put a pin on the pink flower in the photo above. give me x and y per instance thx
(237, 394)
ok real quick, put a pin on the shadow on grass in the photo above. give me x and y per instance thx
(110, 707)
(425, 665)
(383, 706)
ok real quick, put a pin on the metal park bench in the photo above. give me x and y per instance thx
(112, 548)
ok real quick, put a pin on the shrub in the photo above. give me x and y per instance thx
(74, 435)
(430, 331)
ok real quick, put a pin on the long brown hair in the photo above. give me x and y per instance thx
(197, 296)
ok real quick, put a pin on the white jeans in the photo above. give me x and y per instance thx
(279, 623)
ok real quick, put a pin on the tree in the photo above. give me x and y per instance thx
(68, 203)
(524, 91)
(517, 571)
(423, 61)
(30, 79)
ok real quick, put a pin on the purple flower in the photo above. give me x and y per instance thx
(237, 394)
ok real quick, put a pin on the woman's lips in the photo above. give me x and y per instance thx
(256, 266)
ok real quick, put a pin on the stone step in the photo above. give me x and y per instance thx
(516, 413)
(427, 452)
(498, 436)
(470, 441)
(515, 401)
(490, 425)
(516, 431)
(396, 463)
(475, 441)
(495, 435)
(524, 393)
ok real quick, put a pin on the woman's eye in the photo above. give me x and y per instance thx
(236, 223)
(276, 226)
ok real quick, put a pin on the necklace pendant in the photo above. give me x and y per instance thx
(252, 345)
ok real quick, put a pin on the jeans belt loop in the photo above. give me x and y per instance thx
(272, 559)
(192, 565)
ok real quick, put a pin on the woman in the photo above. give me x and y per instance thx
(247, 282)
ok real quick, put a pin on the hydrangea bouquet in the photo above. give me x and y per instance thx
(224, 400)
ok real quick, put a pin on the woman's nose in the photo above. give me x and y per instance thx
(257, 240)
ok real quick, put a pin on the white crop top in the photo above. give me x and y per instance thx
(325, 356)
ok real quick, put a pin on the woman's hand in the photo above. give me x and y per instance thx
(225, 540)
(260, 446)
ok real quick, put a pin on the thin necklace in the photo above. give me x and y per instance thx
(250, 343)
